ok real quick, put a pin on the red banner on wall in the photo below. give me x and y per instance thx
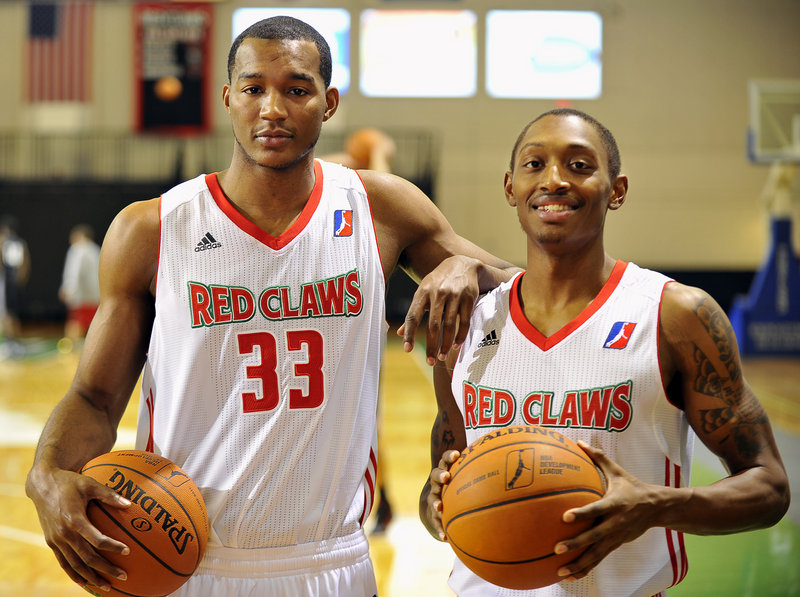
(172, 66)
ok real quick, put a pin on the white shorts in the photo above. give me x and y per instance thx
(338, 567)
(465, 583)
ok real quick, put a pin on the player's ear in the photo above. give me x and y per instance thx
(226, 98)
(331, 102)
(509, 189)
(619, 190)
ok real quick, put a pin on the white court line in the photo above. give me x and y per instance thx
(420, 359)
(22, 536)
(19, 429)
(12, 490)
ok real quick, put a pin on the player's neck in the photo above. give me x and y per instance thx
(270, 198)
(556, 289)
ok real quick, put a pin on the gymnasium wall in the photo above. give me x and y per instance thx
(675, 79)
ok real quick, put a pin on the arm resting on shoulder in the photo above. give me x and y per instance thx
(451, 271)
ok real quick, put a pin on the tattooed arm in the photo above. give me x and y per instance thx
(701, 369)
(448, 437)
(700, 359)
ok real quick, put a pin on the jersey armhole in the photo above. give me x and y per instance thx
(672, 394)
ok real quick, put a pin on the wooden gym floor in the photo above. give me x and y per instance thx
(408, 561)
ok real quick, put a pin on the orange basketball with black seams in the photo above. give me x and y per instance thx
(503, 507)
(166, 526)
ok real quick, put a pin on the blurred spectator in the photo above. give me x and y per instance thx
(16, 264)
(80, 289)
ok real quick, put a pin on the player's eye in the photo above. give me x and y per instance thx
(581, 165)
(532, 163)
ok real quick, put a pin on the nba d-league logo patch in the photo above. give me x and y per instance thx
(619, 335)
(343, 222)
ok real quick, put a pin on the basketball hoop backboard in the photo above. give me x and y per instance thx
(774, 132)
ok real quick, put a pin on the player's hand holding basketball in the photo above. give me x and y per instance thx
(61, 498)
(448, 293)
(438, 478)
(628, 509)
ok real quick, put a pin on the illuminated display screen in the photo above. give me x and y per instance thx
(543, 54)
(418, 53)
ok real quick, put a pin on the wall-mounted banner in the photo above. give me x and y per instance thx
(172, 66)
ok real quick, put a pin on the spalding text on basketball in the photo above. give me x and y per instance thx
(608, 408)
(216, 304)
(179, 536)
(511, 431)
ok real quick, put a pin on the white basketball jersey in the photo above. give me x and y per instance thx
(261, 379)
(598, 380)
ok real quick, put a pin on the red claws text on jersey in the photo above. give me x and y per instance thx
(215, 304)
(608, 408)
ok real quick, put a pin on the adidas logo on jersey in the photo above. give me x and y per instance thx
(207, 242)
(489, 340)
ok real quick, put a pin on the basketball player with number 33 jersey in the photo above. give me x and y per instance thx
(251, 302)
(297, 333)
(623, 360)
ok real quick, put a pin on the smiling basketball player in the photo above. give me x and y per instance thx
(619, 357)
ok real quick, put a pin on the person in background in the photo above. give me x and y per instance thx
(15, 261)
(80, 287)
(627, 362)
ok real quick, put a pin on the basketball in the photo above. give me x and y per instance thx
(165, 527)
(359, 144)
(168, 89)
(502, 508)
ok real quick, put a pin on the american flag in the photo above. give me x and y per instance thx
(59, 51)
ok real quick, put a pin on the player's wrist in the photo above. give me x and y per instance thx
(670, 505)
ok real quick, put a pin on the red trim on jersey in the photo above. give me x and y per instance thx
(677, 554)
(670, 544)
(369, 498)
(160, 225)
(547, 342)
(151, 407)
(288, 235)
(374, 229)
(363, 510)
(684, 557)
(658, 348)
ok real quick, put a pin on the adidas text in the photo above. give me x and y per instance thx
(208, 242)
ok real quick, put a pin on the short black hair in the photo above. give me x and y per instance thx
(609, 143)
(283, 27)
